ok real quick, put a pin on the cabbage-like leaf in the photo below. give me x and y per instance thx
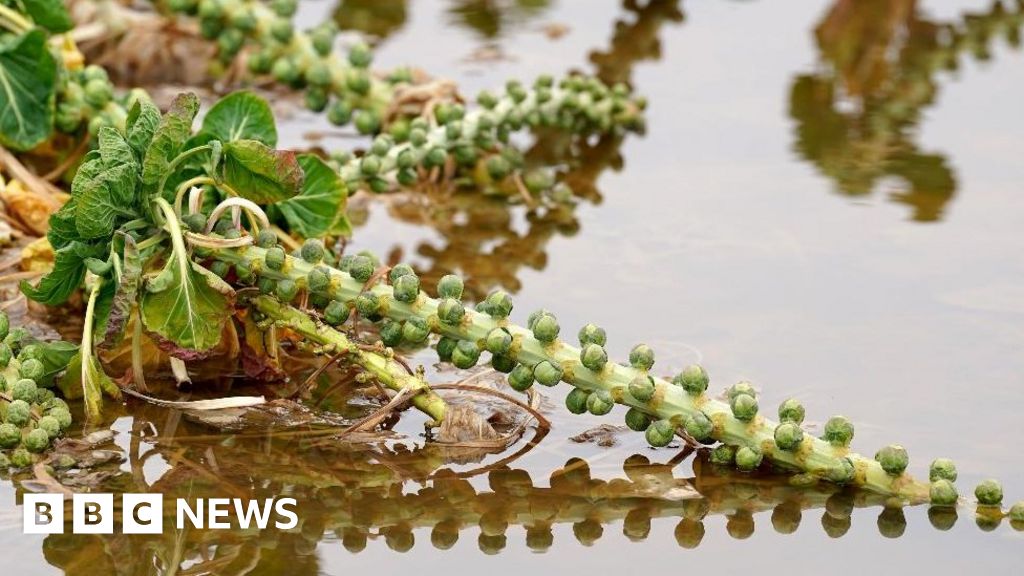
(187, 305)
(66, 276)
(28, 74)
(260, 173)
(49, 14)
(169, 140)
(241, 115)
(140, 126)
(318, 210)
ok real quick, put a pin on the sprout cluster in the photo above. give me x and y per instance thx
(307, 60)
(476, 141)
(31, 416)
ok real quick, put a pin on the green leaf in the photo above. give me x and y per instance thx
(319, 209)
(49, 14)
(66, 276)
(62, 225)
(140, 126)
(241, 115)
(89, 382)
(111, 328)
(187, 305)
(260, 173)
(169, 140)
(114, 149)
(104, 200)
(55, 356)
(28, 73)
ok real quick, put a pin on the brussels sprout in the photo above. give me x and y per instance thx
(498, 341)
(51, 425)
(391, 333)
(534, 316)
(362, 268)
(942, 493)
(10, 435)
(98, 93)
(498, 167)
(265, 238)
(593, 357)
(521, 378)
(3, 383)
(367, 304)
(399, 270)
(699, 427)
(284, 8)
(312, 251)
(498, 304)
(196, 222)
(21, 458)
(893, 459)
(748, 458)
(323, 41)
(744, 407)
(465, 354)
(742, 387)
(230, 42)
(637, 420)
(406, 288)
(43, 395)
(5, 462)
(360, 55)
(367, 122)
(369, 166)
(842, 473)
(694, 379)
(318, 280)
(789, 435)
(319, 74)
(450, 286)
(282, 30)
(445, 347)
(547, 374)
(641, 387)
(275, 258)
(1016, 513)
(592, 334)
(24, 389)
(600, 403)
(286, 290)
(641, 357)
(660, 433)
(723, 454)
(989, 493)
(450, 311)
(503, 363)
(336, 313)
(792, 411)
(942, 469)
(546, 328)
(415, 330)
(5, 325)
(838, 431)
(576, 400)
(339, 113)
(37, 440)
(31, 369)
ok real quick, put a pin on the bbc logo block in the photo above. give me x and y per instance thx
(93, 514)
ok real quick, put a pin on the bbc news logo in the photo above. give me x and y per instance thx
(144, 513)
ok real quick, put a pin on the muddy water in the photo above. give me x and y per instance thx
(820, 205)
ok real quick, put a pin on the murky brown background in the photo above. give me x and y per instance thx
(811, 209)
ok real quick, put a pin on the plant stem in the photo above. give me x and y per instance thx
(815, 456)
(387, 371)
(14, 21)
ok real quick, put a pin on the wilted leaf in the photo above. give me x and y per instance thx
(260, 173)
(111, 331)
(319, 209)
(169, 139)
(187, 305)
(66, 276)
(241, 116)
(28, 73)
(140, 126)
(86, 379)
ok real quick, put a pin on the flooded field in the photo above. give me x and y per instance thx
(827, 202)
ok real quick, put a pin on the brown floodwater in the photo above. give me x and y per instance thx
(828, 202)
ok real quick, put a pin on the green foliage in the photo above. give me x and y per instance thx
(261, 174)
(241, 115)
(27, 90)
(186, 304)
(319, 208)
(49, 14)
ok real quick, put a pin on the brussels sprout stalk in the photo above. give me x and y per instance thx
(387, 371)
(669, 402)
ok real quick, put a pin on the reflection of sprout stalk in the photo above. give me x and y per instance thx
(658, 407)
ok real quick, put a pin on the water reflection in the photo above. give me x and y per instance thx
(882, 59)
(490, 18)
(377, 18)
(372, 495)
(480, 235)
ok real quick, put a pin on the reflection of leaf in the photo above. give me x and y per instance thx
(187, 305)
(27, 77)
(260, 173)
(49, 14)
(241, 116)
(169, 139)
(320, 208)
